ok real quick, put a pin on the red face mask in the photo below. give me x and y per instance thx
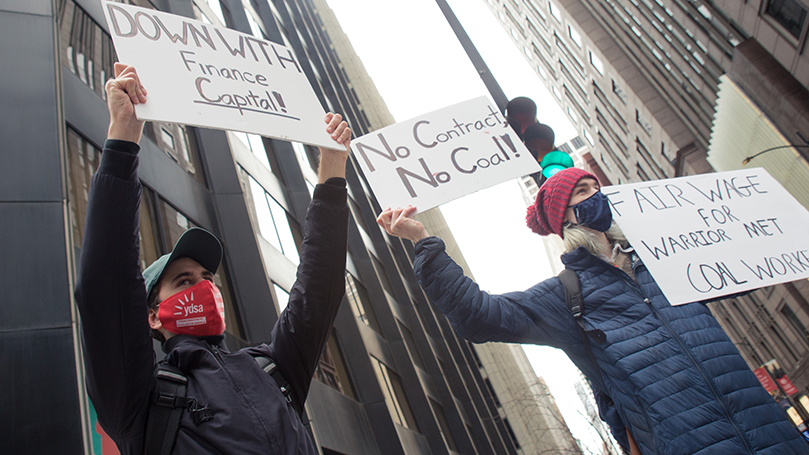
(198, 310)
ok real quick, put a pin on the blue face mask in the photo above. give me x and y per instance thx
(594, 212)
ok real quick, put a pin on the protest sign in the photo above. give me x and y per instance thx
(214, 77)
(710, 235)
(441, 156)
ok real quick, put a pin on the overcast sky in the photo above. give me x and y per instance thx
(419, 66)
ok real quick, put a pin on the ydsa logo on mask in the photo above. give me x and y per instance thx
(189, 312)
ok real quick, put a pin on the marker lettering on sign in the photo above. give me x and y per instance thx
(762, 227)
(401, 152)
(726, 189)
(797, 262)
(695, 239)
(224, 73)
(458, 129)
(711, 277)
(719, 216)
(150, 26)
(481, 163)
(136, 27)
(431, 179)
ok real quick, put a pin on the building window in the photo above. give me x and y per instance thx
(796, 323)
(272, 220)
(596, 62)
(554, 11)
(87, 48)
(438, 411)
(575, 36)
(215, 7)
(589, 138)
(618, 91)
(410, 342)
(254, 27)
(357, 297)
(255, 144)
(331, 369)
(511, 434)
(176, 142)
(281, 296)
(490, 388)
(572, 114)
(643, 122)
(395, 397)
(790, 14)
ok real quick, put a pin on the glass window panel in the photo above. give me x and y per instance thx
(87, 48)
(574, 35)
(395, 397)
(254, 27)
(554, 11)
(216, 7)
(266, 225)
(332, 369)
(288, 246)
(596, 62)
(357, 296)
(255, 144)
(174, 223)
(282, 295)
(789, 13)
(176, 142)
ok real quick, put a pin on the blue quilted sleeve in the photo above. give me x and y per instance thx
(537, 315)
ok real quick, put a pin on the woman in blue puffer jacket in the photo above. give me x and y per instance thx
(667, 378)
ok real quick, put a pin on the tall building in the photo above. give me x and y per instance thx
(668, 88)
(394, 379)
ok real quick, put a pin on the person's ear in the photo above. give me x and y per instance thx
(154, 320)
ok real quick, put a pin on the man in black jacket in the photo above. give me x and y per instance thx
(233, 405)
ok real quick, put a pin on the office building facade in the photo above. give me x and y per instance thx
(394, 379)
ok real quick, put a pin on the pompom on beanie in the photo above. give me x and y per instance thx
(547, 215)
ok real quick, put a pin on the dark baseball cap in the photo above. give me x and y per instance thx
(195, 243)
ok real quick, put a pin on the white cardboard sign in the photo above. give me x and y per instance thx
(441, 156)
(214, 77)
(710, 235)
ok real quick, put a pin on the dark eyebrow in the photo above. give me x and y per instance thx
(180, 275)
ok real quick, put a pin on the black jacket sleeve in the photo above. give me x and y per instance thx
(303, 328)
(111, 296)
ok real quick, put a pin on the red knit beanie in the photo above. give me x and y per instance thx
(547, 214)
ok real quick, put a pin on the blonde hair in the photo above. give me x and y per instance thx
(574, 236)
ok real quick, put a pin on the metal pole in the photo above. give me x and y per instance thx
(488, 79)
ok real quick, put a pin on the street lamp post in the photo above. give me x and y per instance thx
(750, 158)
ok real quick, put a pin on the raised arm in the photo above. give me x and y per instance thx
(110, 293)
(532, 316)
(303, 328)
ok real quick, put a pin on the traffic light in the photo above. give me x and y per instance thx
(554, 162)
(521, 114)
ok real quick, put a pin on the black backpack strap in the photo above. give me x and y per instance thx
(269, 366)
(575, 303)
(166, 407)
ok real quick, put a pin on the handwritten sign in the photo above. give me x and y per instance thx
(710, 235)
(443, 155)
(214, 77)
